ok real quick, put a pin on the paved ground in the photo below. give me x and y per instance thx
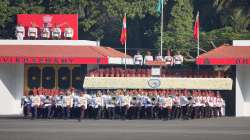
(216, 129)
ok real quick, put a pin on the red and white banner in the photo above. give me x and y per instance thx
(63, 20)
(52, 60)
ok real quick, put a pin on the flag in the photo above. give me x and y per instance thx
(159, 6)
(123, 37)
(196, 27)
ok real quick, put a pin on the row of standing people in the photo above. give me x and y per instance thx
(124, 104)
(177, 59)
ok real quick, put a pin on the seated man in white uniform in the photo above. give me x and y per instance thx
(68, 33)
(20, 32)
(148, 57)
(56, 32)
(138, 59)
(32, 32)
(45, 32)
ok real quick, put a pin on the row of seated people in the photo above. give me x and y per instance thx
(45, 33)
(176, 59)
(120, 72)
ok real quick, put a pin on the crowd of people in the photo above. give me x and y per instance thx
(146, 72)
(44, 33)
(123, 104)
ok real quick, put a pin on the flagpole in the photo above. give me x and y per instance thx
(125, 47)
(161, 25)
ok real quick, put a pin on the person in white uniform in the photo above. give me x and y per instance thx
(67, 104)
(35, 103)
(56, 32)
(20, 32)
(138, 59)
(148, 57)
(32, 32)
(169, 59)
(45, 32)
(68, 33)
(81, 103)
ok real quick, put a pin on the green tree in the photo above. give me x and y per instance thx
(179, 29)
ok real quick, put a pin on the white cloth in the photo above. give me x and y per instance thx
(148, 58)
(32, 32)
(110, 101)
(35, 100)
(68, 32)
(20, 32)
(159, 58)
(45, 32)
(178, 59)
(183, 100)
(127, 100)
(67, 101)
(169, 60)
(169, 102)
(59, 100)
(176, 101)
(162, 101)
(82, 101)
(56, 32)
(138, 59)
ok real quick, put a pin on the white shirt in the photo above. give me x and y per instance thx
(178, 59)
(126, 101)
(147, 101)
(169, 102)
(138, 59)
(183, 100)
(104, 100)
(68, 32)
(59, 100)
(176, 101)
(110, 102)
(67, 101)
(32, 32)
(162, 101)
(169, 60)
(45, 32)
(47, 102)
(148, 58)
(56, 32)
(82, 101)
(35, 100)
(159, 58)
(20, 32)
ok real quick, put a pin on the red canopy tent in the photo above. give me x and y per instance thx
(225, 55)
(57, 54)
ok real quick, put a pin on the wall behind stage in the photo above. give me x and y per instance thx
(243, 90)
(11, 88)
(63, 20)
